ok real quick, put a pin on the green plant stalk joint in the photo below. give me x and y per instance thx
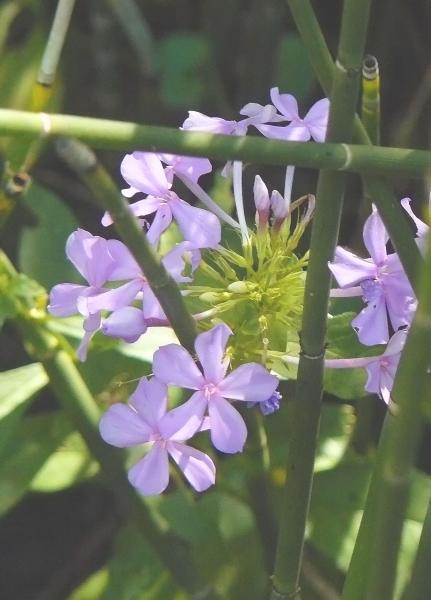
(324, 235)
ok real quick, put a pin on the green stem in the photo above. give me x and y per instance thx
(81, 159)
(75, 398)
(138, 32)
(56, 39)
(389, 207)
(372, 571)
(125, 136)
(370, 109)
(324, 235)
(419, 586)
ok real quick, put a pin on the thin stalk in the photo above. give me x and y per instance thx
(82, 160)
(56, 39)
(43, 86)
(207, 201)
(389, 207)
(372, 571)
(324, 235)
(419, 586)
(138, 32)
(78, 403)
(123, 135)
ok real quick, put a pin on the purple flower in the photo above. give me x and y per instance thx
(312, 126)
(138, 286)
(251, 382)
(144, 172)
(93, 259)
(382, 284)
(145, 420)
(422, 229)
(255, 114)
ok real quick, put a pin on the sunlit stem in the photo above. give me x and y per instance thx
(370, 110)
(201, 194)
(54, 46)
(239, 202)
(42, 88)
(288, 182)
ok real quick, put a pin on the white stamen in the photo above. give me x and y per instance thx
(288, 182)
(239, 202)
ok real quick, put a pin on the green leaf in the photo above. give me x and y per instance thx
(34, 442)
(135, 573)
(7, 308)
(183, 59)
(335, 428)
(42, 251)
(71, 463)
(294, 74)
(16, 389)
(336, 511)
(224, 523)
(93, 587)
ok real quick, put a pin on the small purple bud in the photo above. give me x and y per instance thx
(261, 195)
(278, 205)
(269, 406)
(261, 201)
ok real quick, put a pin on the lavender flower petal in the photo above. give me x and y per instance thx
(126, 323)
(376, 238)
(198, 468)
(173, 365)
(150, 400)
(182, 422)
(198, 226)
(144, 171)
(371, 324)
(122, 427)
(250, 382)
(228, 430)
(210, 348)
(150, 475)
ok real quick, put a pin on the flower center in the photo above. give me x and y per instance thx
(209, 390)
(371, 289)
(157, 438)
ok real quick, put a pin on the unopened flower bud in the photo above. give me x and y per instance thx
(278, 206)
(240, 287)
(261, 201)
(214, 297)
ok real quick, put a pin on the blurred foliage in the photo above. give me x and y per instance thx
(212, 56)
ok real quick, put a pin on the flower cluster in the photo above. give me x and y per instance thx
(253, 291)
(145, 420)
(390, 302)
